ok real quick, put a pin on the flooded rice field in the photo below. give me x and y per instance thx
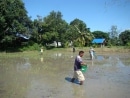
(30, 75)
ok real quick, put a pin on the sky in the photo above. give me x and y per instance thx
(96, 14)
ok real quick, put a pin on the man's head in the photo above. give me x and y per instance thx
(81, 53)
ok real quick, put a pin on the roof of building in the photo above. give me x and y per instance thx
(23, 36)
(98, 40)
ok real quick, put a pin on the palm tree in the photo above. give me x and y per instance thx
(84, 36)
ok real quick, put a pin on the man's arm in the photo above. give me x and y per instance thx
(83, 64)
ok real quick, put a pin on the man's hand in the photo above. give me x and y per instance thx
(83, 64)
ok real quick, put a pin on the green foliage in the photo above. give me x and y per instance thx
(52, 28)
(82, 34)
(13, 20)
(125, 37)
(95, 45)
(55, 27)
(45, 30)
(101, 34)
(66, 44)
(76, 44)
(127, 45)
(79, 24)
(35, 46)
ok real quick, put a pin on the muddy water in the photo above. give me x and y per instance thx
(48, 76)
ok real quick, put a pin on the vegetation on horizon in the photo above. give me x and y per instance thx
(19, 32)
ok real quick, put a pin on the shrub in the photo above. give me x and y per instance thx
(128, 45)
(34, 46)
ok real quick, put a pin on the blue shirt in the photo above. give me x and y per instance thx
(77, 64)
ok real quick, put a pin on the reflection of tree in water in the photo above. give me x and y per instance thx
(41, 59)
(24, 65)
(117, 61)
(125, 61)
(14, 84)
(106, 57)
(102, 57)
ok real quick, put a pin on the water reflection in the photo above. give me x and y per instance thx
(27, 77)
(125, 61)
(100, 57)
(113, 61)
(91, 63)
(26, 65)
(57, 54)
(79, 92)
(119, 63)
(41, 59)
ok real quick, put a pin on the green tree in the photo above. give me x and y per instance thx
(83, 34)
(100, 34)
(54, 27)
(71, 34)
(13, 19)
(113, 35)
(125, 37)
(37, 30)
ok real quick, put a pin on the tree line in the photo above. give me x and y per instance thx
(18, 31)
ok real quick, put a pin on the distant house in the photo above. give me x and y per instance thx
(99, 41)
(57, 44)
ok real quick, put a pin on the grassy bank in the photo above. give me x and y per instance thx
(61, 50)
(86, 49)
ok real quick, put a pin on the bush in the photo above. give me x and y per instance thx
(77, 44)
(66, 44)
(128, 45)
(35, 46)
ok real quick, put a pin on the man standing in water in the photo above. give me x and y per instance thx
(77, 68)
(91, 52)
(41, 50)
(73, 49)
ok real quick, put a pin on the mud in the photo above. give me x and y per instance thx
(48, 76)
